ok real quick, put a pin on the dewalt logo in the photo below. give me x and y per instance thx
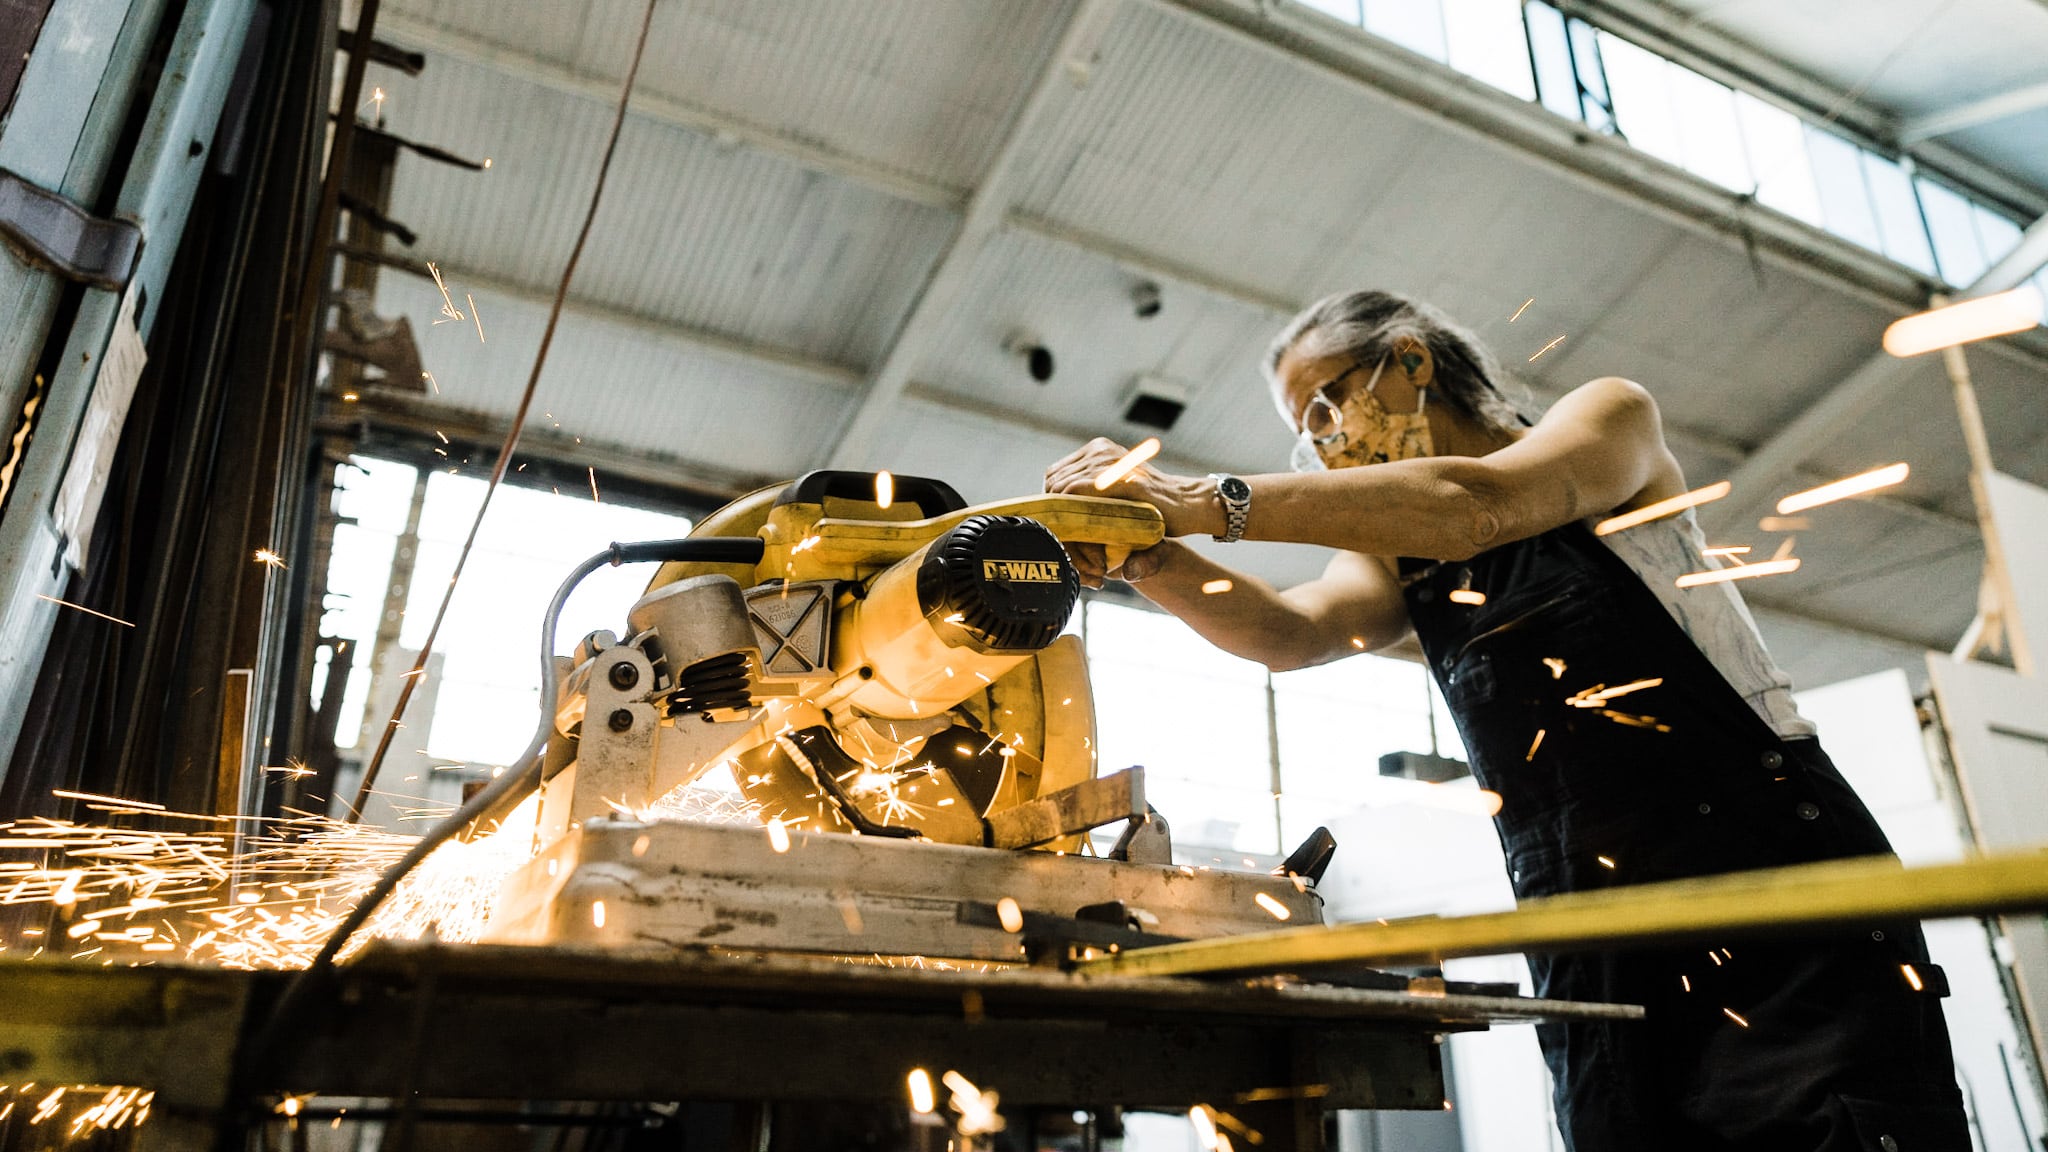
(1021, 571)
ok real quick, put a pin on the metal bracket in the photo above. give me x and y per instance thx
(48, 230)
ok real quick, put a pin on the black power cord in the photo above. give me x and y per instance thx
(520, 777)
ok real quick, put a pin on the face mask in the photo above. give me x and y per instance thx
(1366, 433)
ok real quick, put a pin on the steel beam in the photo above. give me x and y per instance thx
(1861, 391)
(1986, 111)
(986, 209)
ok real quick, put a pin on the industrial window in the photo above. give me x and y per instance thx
(477, 705)
(1199, 720)
(1417, 25)
(1899, 224)
(1776, 142)
(1844, 198)
(1485, 40)
(1956, 243)
(1674, 113)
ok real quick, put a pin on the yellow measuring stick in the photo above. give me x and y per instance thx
(1829, 894)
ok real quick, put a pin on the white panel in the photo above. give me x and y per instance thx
(2019, 515)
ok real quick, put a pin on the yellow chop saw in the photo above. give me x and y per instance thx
(892, 690)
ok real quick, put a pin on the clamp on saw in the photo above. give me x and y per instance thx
(892, 689)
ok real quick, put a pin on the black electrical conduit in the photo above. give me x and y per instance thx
(521, 775)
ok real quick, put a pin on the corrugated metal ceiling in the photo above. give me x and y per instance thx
(1270, 182)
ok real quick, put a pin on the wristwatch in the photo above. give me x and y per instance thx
(1236, 496)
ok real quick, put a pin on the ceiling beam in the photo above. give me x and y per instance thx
(1861, 391)
(1978, 112)
(839, 376)
(656, 108)
(986, 209)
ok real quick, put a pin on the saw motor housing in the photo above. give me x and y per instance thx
(896, 670)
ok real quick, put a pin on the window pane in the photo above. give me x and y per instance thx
(1417, 25)
(1596, 99)
(1838, 178)
(490, 678)
(1707, 131)
(1485, 40)
(1898, 215)
(1996, 234)
(1194, 716)
(1777, 158)
(1553, 54)
(2041, 286)
(1345, 10)
(1641, 88)
(1955, 234)
(377, 494)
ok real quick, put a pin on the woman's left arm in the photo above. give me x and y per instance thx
(1597, 449)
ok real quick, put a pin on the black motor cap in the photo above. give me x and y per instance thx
(998, 584)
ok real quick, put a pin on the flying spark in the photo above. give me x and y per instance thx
(1784, 524)
(476, 316)
(84, 609)
(1273, 907)
(1556, 667)
(1522, 309)
(1127, 463)
(1741, 572)
(1599, 694)
(1731, 1014)
(1844, 488)
(1663, 508)
(593, 485)
(1205, 1126)
(266, 556)
(1467, 596)
(1730, 551)
(1605, 861)
(885, 490)
(1546, 348)
(1534, 745)
(1010, 914)
(448, 309)
(778, 835)
(922, 1100)
(1912, 977)
(1212, 587)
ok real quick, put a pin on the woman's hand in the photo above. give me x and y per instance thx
(1187, 503)
(1092, 563)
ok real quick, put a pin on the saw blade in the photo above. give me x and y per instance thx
(804, 776)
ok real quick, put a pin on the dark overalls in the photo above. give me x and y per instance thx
(1822, 1043)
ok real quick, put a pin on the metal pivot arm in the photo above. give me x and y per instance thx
(1781, 900)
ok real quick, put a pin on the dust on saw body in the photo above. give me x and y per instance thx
(893, 671)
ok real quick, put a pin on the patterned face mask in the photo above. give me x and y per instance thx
(1360, 430)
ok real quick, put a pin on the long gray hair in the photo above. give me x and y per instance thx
(1371, 324)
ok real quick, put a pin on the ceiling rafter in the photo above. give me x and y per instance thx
(987, 207)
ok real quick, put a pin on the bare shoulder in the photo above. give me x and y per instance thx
(1610, 401)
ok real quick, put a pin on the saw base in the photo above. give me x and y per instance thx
(622, 883)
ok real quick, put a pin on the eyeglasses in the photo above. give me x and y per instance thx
(1322, 419)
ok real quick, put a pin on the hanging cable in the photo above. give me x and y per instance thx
(411, 679)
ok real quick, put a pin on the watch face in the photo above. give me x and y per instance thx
(1233, 489)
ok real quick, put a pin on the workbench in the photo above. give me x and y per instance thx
(420, 1036)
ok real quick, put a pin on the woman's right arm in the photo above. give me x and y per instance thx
(1354, 606)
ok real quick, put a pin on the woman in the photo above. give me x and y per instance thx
(1635, 731)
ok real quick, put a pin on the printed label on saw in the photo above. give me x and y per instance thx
(1021, 571)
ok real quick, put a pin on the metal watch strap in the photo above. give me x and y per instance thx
(1235, 512)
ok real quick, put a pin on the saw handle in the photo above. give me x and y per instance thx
(931, 497)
